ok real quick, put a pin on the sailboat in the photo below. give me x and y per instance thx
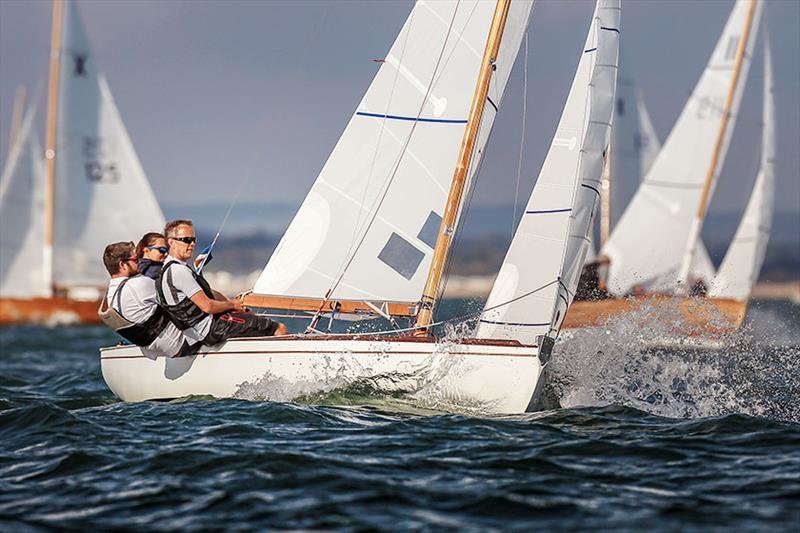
(372, 236)
(655, 254)
(59, 214)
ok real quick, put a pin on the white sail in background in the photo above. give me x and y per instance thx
(373, 214)
(102, 193)
(22, 217)
(742, 263)
(552, 239)
(634, 147)
(649, 242)
(634, 144)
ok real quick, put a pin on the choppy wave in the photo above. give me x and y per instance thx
(673, 439)
(753, 371)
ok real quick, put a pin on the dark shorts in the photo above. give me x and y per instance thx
(230, 325)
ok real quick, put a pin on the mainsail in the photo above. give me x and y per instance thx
(742, 263)
(539, 275)
(634, 148)
(101, 192)
(22, 272)
(650, 240)
(367, 228)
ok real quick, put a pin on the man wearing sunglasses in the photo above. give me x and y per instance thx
(130, 306)
(204, 315)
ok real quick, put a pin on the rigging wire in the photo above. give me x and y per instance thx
(224, 221)
(457, 319)
(356, 226)
(396, 166)
(522, 139)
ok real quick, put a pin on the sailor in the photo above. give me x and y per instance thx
(203, 314)
(151, 251)
(130, 306)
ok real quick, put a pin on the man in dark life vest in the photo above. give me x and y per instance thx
(130, 306)
(203, 314)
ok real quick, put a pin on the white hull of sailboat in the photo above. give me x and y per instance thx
(490, 376)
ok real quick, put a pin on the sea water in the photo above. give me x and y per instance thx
(638, 437)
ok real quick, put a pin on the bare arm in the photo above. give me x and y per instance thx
(219, 296)
(213, 307)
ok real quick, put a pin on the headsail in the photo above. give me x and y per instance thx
(368, 226)
(538, 278)
(649, 241)
(22, 273)
(102, 193)
(742, 263)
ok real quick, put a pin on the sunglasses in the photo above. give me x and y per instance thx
(161, 249)
(185, 240)
(128, 260)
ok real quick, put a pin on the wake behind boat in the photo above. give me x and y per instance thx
(359, 246)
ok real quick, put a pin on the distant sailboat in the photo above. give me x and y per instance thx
(655, 252)
(372, 236)
(93, 191)
(742, 263)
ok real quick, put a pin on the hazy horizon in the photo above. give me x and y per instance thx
(212, 92)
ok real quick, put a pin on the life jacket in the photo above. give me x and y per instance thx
(140, 334)
(150, 268)
(184, 313)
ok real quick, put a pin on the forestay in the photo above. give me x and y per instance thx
(369, 224)
(742, 263)
(102, 193)
(541, 269)
(22, 272)
(650, 239)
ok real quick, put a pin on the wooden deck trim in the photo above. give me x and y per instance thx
(698, 311)
(354, 307)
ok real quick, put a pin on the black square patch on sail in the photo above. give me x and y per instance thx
(401, 256)
(430, 230)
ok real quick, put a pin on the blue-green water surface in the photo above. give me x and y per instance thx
(690, 440)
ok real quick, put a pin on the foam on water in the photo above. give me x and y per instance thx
(753, 371)
(420, 386)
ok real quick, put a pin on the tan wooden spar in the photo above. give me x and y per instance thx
(702, 208)
(313, 305)
(447, 227)
(605, 199)
(52, 125)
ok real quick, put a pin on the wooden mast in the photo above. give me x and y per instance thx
(447, 227)
(697, 224)
(50, 152)
(16, 117)
(605, 199)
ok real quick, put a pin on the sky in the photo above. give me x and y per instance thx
(216, 94)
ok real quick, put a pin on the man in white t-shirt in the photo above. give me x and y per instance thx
(132, 310)
(203, 314)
